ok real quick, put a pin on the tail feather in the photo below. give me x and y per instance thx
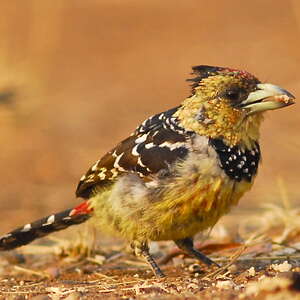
(42, 227)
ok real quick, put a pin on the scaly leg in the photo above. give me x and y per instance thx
(187, 245)
(142, 249)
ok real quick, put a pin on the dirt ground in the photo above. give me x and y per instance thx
(78, 76)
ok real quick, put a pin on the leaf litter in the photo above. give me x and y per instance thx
(255, 264)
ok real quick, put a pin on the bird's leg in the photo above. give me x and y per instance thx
(187, 245)
(142, 249)
(155, 268)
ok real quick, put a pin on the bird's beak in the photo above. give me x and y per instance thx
(267, 97)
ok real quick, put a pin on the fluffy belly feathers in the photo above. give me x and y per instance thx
(183, 205)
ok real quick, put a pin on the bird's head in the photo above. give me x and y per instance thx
(229, 104)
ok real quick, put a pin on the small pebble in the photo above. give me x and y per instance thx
(232, 269)
(251, 272)
(192, 286)
(194, 268)
(284, 267)
(225, 285)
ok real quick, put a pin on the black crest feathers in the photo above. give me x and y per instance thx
(204, 71)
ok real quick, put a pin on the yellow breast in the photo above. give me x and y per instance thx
(191, 201)
(191, 207)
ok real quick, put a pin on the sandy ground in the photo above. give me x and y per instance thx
(82, 74)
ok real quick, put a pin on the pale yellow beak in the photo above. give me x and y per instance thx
(267, 97)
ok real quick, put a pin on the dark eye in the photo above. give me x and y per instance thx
(233, 95)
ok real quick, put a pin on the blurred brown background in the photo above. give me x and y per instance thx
(82, 74)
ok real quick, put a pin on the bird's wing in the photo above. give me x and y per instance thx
(155, 145)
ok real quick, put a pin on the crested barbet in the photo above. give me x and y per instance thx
(178, 172)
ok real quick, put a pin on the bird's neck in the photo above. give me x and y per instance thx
(220, 121)
(248, 132)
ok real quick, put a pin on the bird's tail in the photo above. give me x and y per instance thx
(37, 229)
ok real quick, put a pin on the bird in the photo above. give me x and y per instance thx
(179, 172)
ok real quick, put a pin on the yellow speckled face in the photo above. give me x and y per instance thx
(214, 109)
(228, 104)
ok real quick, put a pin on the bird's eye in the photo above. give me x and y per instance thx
(232, 95)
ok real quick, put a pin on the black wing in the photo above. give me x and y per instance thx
(157, 143)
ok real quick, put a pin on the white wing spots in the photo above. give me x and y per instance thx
(172, 127)
(244, 158)
(116, 163)
(253, 163)
(141, 139)
(144, 123)
(253, 152)
(165, 126)
(161, 116)
(50, 220)
(7, 236)
(102, 173)
(155, 133)
(89, 179)
(115, 173)
(147, 121)
(149, 146)
(26, 228)
(102, 176)
(172, 146)
(139, 162)
(246, 170)
(83, 177)
(134, 150)
(114, 154)
(95, 166)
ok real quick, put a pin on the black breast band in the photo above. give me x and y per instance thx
(237, 164)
